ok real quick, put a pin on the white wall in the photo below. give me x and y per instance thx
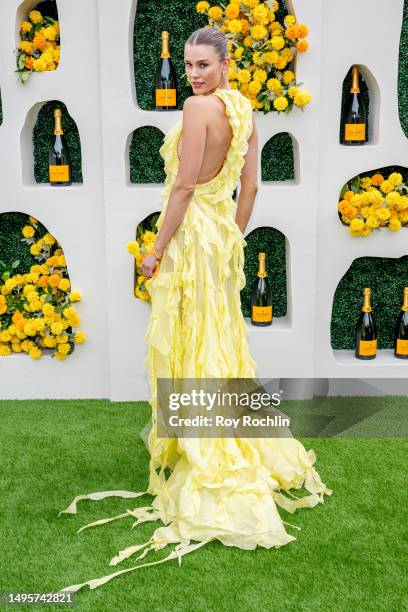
(94, 221)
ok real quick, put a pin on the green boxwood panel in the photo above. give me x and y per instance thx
(273, 242)
(48, 8)
(403, 73)
(277, 158)
(11, 247)
(365, 94)
(387, 278)
(145, 162)
(43, 135)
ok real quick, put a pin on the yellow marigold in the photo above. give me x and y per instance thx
(26, 26)
(133, 247)
(301, 30)
(275, 6)
(57, 328)
(288, 77)
(403, 215)
(28, 231)
(386, 186)
(281, 63)
(202, 7)
(257, 58)
(280, 103)
(80, 337)
(25, 46)
(365, 182)
(244, 26)
(260, 75)
(64, 284)
(393, 198)
(244, 76)
(271, 16)
(35, 16)
(366, 231)
(273, 85)
(254, 87)
(258, 32)
(402, 203)
(49, 239)
(251, 3)
(50, 32)
(302, 46)
(260, 12)
(291, 32)
(302, 98)
(292, 91)
(232, 74)
(383, 214)
(377, 179)
(278, 42)
(234, 84)
(356, 226)
(275, 28)
(394, 224)
(215, 13)
(395, 179)
(5, 350)
(232, 11)
(271, 57)
(372, 221)
(238, 52)
(235, 26)
(287, 54)
(289, 20)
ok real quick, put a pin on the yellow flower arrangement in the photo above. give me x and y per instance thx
(39, 46)
(139, 248)
(36, 313)
(263, 46)
(370, 202)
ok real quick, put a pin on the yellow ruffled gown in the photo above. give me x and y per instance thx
(219, 488)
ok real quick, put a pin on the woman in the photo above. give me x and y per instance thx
(219, 488)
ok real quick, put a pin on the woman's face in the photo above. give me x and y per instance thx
(204, 68)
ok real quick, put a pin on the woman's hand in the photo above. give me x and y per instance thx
(149, 264)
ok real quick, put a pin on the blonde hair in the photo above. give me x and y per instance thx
(210, 36)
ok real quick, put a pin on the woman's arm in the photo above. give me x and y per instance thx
(249, 181)
(191, 158)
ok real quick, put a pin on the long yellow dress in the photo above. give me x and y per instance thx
(219, 488)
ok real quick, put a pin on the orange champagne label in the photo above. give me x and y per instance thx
(368, 347)
(59, 174)
(262, 314)
(165, 97)
(355, 131)
(402, 346)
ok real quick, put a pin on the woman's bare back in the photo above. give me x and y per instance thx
(218, 140)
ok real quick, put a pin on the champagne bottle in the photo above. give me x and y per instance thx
(366, 330)
(165, 92)
(261, 302)
(401, 330)
(59, 157)
(354, 130)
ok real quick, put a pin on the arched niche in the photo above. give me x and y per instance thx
(385, 172)
(180, 19)
(403, 72)
(370, 93)
(36, 139)
(387, 277)
(280, 159)
(148, 223)
(145, 164)
(16, 258)
(48, 8)
(275, 245)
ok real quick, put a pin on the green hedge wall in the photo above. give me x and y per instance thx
(277, 159)
(43, 135)
(145, 162)
(11, 247)
(403, 73)
(387, 278)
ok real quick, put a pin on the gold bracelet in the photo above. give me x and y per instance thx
(156, 255)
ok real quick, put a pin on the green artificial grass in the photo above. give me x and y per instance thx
(145, 162)
(348, 555)
(403, 72)
(277, 159)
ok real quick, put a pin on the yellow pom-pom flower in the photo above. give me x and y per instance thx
(238, 52)
(26, 26)
(28, 231)
(274, 85)
(202, 7)
(302, 98)
(395, 179)
(394, 224)
(302, 46)
(254, 87)
(260, 75)
(258, 32)
(235, 26)
(232, 11)
(278, 42)
(244, 76)
(280, 103)
(215, 13)
(288, 77)
(35, 17)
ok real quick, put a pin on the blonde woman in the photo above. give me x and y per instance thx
(224, 489)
